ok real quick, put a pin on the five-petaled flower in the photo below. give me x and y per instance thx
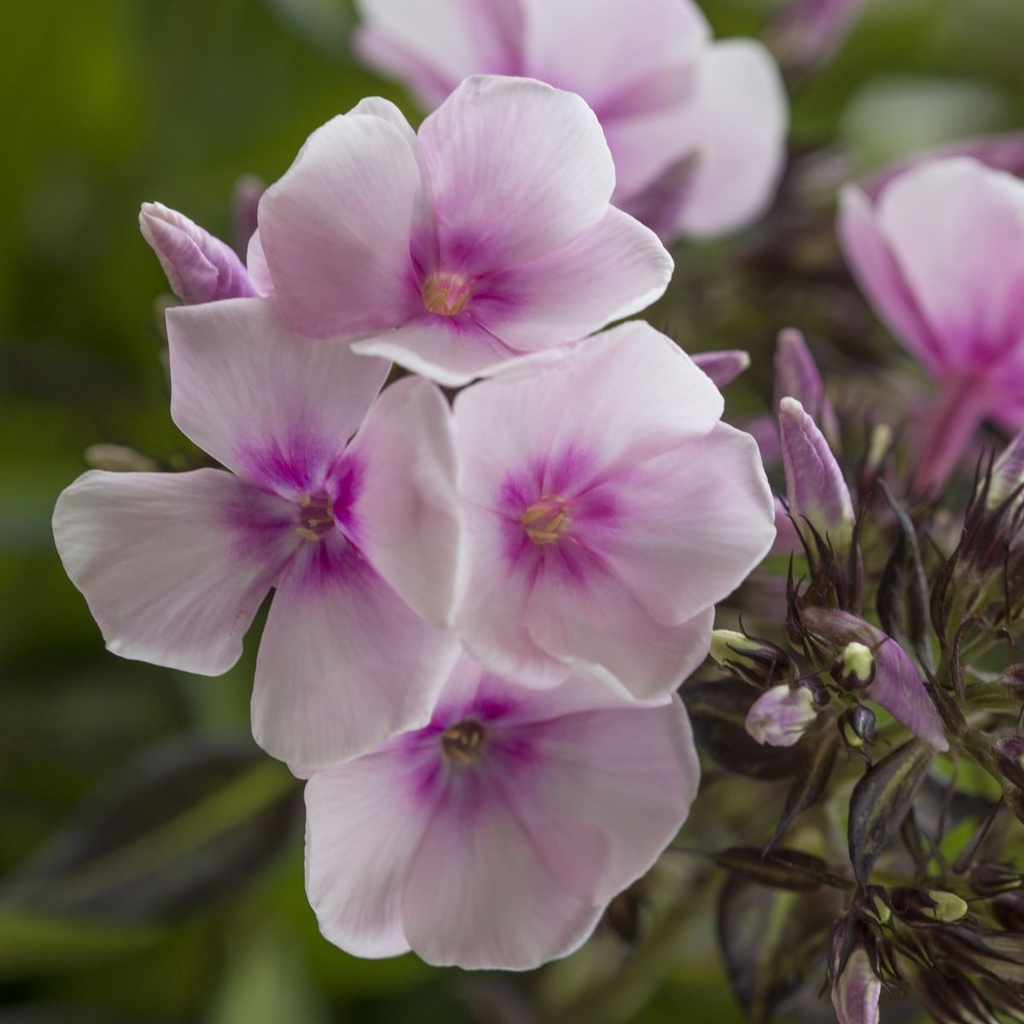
(607, 509)
(495, 835)
(485, 238)
(358, 537)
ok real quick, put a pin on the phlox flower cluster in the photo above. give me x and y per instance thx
(482, 606)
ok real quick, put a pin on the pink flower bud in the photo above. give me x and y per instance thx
(780, 716)
(819, 500)
(199, 267)
(855, 992)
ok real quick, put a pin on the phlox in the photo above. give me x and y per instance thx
(495, 835)
(607, 509)
(358, 535)
(486, 237)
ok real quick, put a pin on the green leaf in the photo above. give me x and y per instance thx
(187, 822)
(881, 800)
(771, 940)
(781, 868)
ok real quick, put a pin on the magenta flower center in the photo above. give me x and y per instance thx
(464, 743)
(316, 516)
(546, 520)
(445, 293)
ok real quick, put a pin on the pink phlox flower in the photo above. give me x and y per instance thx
(494, 836)
(485, 238)
(697, 128)
(358, 537)
(607, 510)
(940, 255)
(199, 267)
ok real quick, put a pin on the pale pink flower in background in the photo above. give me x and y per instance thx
(940, 255)
(199, 267)
(697, 127)
(359, 538)
(495, 836)
(781, 715)
(807, 33)
(607, 510)
(487, 237)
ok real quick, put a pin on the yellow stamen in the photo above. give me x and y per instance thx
(462, 744)
(445, 293)
(546, 520)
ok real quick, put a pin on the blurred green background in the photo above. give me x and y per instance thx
(150, 858)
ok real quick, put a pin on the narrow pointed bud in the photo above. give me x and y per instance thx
(781, 715)
(757, 661)
(856, 990)
(199, 267)
(1007, 473)
(815, 489)
(722, 367)
(797, 376)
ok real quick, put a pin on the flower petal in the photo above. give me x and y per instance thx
(336, 229)
(638, 798)
(365, 823)
(344, 664)
(480, 895)
(593, 623)
(690, 523)
(241, 382)
(432, 47)
(949, 224)
(450, 351)
(408, 506)
(605, 49)
(621, 395)
(166, 562)
(517, 169)
(737, 126)
(880, 277)
(615, 269)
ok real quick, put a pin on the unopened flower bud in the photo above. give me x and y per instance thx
(757, 661)
(856, 990)
(817, 495)
(927, 906)
(199, 267)
(722, 367)
(781, 715)
(116, 458)
(857, 725)
(989, 879)
(1007, 474)
(875, 904)
(797, 376)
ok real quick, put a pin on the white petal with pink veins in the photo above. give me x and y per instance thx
(335, 229)
(517, 169)
(241, 381)
(173, 565)
(344, 663)
(408, 506)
